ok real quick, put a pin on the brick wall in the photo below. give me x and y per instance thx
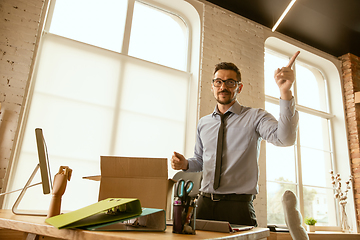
(19, 24)
(232, 38)
(351, 77)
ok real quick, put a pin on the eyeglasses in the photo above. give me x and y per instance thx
(229, 83)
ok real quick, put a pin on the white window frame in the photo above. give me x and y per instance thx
(331, 71)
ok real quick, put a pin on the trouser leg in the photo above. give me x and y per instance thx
(234, 212)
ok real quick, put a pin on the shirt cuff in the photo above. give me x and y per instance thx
(287, 107)
(189, 163)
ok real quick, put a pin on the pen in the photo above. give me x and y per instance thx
(188, 227)
(189, 212)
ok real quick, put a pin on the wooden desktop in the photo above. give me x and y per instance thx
(34, 226)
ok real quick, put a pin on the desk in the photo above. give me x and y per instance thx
(318, 235)
(37, 225)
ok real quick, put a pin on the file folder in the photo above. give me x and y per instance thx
(151, 219)
(115, 214)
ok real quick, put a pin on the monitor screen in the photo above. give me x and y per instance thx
(43, 161)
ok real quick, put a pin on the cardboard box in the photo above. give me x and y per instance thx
(132, 177)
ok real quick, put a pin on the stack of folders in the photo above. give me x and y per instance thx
(112, 214)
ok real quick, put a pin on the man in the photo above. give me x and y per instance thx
(230, 166)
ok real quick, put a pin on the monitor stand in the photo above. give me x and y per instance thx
(23, 190)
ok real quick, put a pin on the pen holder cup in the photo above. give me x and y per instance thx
(184, 216)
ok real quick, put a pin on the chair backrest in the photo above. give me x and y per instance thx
(196, 177)
(293, 217)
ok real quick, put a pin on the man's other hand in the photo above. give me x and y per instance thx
(178, 162)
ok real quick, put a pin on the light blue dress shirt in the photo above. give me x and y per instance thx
(245, 127)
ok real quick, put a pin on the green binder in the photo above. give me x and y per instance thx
(113, 214)
(105, 211)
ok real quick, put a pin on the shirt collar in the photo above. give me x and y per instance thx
(235, 108)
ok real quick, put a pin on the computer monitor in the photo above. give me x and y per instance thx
(43, 161)
(44, 167)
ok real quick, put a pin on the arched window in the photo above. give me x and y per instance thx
(112, 78)
(304, 167)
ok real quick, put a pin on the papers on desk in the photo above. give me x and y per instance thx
(112, 214)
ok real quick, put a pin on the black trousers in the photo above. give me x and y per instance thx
(234, 212)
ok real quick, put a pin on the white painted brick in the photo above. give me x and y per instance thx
(15, 11)
(9, 75)
(2, 96)
(11, 19)
(5, 162)
(228, 37)
(24, 7)
(16, 43)
(17, 30)
(24, 59)
(17, 84)
(19, 21)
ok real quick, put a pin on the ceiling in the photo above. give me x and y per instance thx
(332, 26)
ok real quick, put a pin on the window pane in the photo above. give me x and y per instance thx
(319, 203)
(149, 90)
(309, 82)
(275, 211)
(314, 131)
(272, 63)
(315, 167)
(279, 156)
(150, 115)
(78, 71)
(100, 23)
(158, 36)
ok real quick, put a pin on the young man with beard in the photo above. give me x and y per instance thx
(230, 184)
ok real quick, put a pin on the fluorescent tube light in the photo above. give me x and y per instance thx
(283, 15)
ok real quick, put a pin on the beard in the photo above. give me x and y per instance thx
(226, 100)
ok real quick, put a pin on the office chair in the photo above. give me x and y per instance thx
(293, 217)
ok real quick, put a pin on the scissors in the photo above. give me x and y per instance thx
(183, 189)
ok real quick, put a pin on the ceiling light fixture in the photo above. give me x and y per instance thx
(283, 15)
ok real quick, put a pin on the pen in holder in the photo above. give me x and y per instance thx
(184, 215)
(184, 208)
(189, 225)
